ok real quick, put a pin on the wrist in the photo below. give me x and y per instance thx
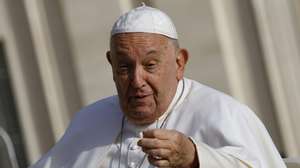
(195, 161)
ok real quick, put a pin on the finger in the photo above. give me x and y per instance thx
(161, 153)
(163, 134)
(150, 143)
(158, 162)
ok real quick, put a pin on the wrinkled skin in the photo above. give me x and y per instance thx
(146, 70)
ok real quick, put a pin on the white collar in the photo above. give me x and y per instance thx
(173, 103)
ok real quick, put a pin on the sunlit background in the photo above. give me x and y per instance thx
(52, 63)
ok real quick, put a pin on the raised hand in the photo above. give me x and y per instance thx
(169, 148)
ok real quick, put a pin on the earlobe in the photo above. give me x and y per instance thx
(108, 56)
(181, 61)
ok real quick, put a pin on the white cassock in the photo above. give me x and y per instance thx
(227, 134)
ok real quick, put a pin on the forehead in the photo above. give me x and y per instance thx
(138, 40)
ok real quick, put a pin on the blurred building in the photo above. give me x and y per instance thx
(52, 62)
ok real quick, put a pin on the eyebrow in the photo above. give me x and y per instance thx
(152, 52)
(123, 52)
(120, 52)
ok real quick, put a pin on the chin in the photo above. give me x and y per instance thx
(142, 117)
(141, 122)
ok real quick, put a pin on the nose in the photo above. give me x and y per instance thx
(137, 78)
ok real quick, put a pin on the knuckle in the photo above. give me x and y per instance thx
(159, 151)
(156, 142)
(155, 132)
(177, 135)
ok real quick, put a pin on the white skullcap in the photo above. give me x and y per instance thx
(145, 19)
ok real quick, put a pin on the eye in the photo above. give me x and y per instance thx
(151, 65)
(123, 68)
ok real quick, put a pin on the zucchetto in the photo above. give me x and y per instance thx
(145, 19)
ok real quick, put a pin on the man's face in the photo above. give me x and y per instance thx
(146, 70)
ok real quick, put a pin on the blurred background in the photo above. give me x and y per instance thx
(52, 63)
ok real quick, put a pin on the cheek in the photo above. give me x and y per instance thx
(167, 83)
(168, 77)
(122, 94)
(121, 85)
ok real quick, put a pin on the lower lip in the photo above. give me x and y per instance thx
(139, 100)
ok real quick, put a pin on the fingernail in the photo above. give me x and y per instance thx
(138, 142)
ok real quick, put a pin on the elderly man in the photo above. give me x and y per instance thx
(160, 118)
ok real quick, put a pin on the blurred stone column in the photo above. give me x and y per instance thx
(25, 78)
(280, 42)
(243, 59)
(55, 62)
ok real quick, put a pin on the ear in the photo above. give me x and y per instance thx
(181, 60)
(108, 57)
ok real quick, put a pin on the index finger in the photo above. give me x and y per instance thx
(150, 143)
(162, 134)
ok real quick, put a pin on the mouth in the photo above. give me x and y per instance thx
(139, 99)
(140, 107)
